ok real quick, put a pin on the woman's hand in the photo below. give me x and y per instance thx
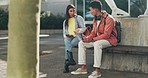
(67, 35)
(77, 31)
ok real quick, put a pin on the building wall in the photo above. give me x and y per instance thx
(3, 2)
(55, 6)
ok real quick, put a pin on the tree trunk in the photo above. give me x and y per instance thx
(23, 42)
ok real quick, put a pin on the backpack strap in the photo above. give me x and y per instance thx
(105, 20)
(105, 24)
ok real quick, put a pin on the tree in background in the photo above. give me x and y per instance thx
(23, 42)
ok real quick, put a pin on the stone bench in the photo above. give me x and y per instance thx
(126, 58)
(128, 49)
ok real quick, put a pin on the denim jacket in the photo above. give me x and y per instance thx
(79, 23)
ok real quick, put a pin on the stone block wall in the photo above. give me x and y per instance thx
(134, 31)
(125, 62)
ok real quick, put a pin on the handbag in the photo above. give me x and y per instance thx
(87, 31)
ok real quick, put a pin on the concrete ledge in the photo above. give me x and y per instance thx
(51, 31)
(4, 33)
(128, 49)
(125, 62)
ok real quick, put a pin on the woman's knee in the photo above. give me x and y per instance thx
(75, 42)
(66, 40)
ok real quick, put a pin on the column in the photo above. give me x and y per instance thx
(23, 41)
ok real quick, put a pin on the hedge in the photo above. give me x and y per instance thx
(47, 20)
(50, 21)
(3, 19)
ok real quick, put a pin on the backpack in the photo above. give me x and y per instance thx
(118, 29)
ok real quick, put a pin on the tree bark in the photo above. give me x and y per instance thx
(23, 42)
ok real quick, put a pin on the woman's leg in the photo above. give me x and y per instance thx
(69, 43)
(74, 42)
(68, 47)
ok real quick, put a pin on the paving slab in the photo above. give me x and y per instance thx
(52, 61)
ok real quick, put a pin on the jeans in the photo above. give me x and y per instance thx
(70, 42)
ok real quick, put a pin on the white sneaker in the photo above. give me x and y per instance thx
(94, 74)
(79, 71)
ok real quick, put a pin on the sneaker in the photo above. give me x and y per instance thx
(79, 71)
(94, 74)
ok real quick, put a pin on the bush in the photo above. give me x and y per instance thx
(3, 19)
(50, 21)
(47, 20)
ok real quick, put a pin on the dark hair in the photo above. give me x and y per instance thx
(96, 4)
(67, 13)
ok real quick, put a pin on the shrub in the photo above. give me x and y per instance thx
(3, 19)
(50, 21)
(47, 20)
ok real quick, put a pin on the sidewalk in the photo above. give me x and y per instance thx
(52, 63)
(3, 68)
(4, 33)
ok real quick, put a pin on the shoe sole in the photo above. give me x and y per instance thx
(95, 77)
(78, 73)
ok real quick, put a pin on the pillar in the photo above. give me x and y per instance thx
(23, 39)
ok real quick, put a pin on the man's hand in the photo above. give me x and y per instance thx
(86, 39)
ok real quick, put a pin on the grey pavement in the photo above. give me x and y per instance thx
(52, 60)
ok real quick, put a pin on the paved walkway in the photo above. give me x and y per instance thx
(51, 61)
(3, 68)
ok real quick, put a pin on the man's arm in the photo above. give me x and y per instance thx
(107, 30)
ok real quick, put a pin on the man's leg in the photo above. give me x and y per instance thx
(82, 57)
(98, 46)
(82, 52)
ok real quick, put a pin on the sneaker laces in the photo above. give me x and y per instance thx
(94, 73)
(80, 70)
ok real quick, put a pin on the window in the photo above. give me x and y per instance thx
(137, 7)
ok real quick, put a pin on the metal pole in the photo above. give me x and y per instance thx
(129, 5)
(146, 11)
(84, 9)
(76, 5)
